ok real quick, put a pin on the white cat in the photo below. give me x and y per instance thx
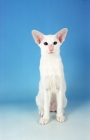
(52, 86)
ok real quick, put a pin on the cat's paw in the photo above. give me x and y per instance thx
(44, 121)
(60, 118)
(41, 113)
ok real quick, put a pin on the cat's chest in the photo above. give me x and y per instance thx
(50, 66)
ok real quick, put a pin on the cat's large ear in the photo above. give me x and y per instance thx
(61, 35)
(38, 36)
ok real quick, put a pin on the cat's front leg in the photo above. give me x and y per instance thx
(60, 115)
(46, 116)
(60, 112)
(47, 98)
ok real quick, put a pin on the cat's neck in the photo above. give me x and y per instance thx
(44, 54)
(48, 57)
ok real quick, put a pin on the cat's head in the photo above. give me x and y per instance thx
(49, 44)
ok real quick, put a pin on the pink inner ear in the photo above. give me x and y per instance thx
(61, 39)
(61, 35)
(38, 41)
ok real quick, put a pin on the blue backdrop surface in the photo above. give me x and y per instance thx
(19, 55)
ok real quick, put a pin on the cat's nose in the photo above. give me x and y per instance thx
(51, 48)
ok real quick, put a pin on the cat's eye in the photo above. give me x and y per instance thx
(55, 42)
(45, 43)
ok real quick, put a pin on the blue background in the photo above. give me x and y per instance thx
(19, 55)
(19, 68)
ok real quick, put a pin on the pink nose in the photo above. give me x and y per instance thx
(50, 48)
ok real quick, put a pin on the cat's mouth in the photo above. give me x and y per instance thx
(51, 52)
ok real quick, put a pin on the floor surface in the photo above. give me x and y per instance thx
(19, 121)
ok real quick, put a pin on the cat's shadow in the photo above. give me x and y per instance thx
(74, 105)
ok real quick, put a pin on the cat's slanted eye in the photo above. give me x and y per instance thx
(45, 43)
(55, 42)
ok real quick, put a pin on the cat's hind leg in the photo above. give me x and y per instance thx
(53, 107)
(40, 104)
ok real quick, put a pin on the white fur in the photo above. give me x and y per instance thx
(52, 86)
